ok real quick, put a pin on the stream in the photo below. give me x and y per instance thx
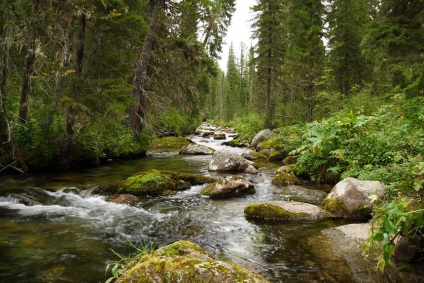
(53, 229)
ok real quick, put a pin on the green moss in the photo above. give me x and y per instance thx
(268, 211)
(185, 262)
(277, 156)
(334, 206)
(169, 143)
(285, 178)
(154, 182)
(274, 142)
(259, 155)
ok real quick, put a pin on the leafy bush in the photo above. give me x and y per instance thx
(387, 146)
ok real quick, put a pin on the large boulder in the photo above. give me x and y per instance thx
(229, 187)
(185, 262)
(155, 183)
(285, 210)
(350, 197)
(261, 136)
(284, 176)
(227, 161)
(196, 149)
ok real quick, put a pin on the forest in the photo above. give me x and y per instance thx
(339, 81)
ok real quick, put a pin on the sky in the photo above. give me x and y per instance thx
(239, 31)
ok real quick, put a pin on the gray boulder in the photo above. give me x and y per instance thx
(229, 187)
(350, 197)
(196, 149)
(261, 136)
(227, 161)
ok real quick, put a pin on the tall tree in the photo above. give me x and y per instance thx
(232, 88)
(306, 50)
(347, 20)
(270, 32)
(396, 41)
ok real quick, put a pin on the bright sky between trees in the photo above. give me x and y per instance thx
(239, 31)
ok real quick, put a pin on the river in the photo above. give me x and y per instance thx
(53, 229)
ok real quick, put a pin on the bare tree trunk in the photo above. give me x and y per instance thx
(137, 112)
(29, 68)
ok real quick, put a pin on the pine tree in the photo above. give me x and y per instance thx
(306, 51)
(395, 41)
(347, 21)
(270, 33)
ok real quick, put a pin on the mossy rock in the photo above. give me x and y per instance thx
(284, 176)
(339, 209)
(277, 155)
(154, 183)
(290, 160)
(185, 262)
(229, 187)
(168, 143)
(272, 142)
(285, 210)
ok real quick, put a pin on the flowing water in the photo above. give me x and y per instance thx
(53, 229)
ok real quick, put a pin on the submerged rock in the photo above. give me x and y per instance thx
(227, 161)
(123, 198)
(350, 197)
(185, 262)
(284, 176)
(285, 210)
(229, 187)
(302, 194)
(339, 251)
(219, 136)
(196, 149)
(154, 183)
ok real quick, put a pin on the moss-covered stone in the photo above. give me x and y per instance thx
(271, 212)
(185, 262)
(272, 142)
(285, 210)
(290, 160)
(284, 176)
(154, 183)
(168, 143)
(277, 155)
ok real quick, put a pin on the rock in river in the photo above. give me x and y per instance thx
(196, 149)
(154, 183)
(229, 187)
(227, 161)
(285, 210)
(185, 262)
(350, 197)
(284, 176)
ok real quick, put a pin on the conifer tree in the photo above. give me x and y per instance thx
(347, 21)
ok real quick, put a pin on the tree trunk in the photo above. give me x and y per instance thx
(29, 68)
(137, 112)
(8, 144)
(68, 139)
